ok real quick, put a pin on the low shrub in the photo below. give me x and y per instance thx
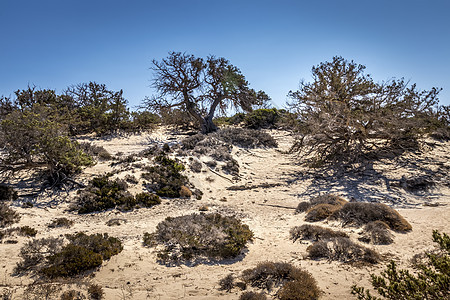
(262, 118)
(61, 222)
(71, 295)
(291, 281)
(246, 138)
(430, 281)
(116, 222)
(27, 231)
(51, 258)
(377, 232)
(94, 150)
(95, 292)
(103, 193)
(185, 192)
(321, 199)
(252, 296)
(227, 283)
(131, 179)
(210, 236)
(342, 249)
(165, 178)
(7, 193)
(360, 213)
(313, 232)
(320, 212)
(8, 216)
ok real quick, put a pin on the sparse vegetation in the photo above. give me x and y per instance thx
(61, 222)
(377, 232)
(209, 236)
(95, 292)
(431, 281)
(342, 249)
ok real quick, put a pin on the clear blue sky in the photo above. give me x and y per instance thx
(54, 44)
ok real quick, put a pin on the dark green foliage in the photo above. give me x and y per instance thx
(103, 193)
(313, 232)
(72, 260)
(360, 213)
(342, 249)
(51, 258)
(211, 236)
(246, 138)
(7, 193)
(344, 116)
(432, 280)
(95, 292)
(147, 199)
(252, 296)
(293, 282)
(165, 178)
(60, 222)
(7, 215)
(377, 232)
(143, 120)
(262, 118)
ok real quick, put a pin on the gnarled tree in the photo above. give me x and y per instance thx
(345, 116)
(200, 87)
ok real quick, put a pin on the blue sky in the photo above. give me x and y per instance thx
(54, 44)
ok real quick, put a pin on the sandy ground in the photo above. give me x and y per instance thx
(268, 211)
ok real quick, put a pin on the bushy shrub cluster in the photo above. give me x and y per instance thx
(377, 232)
(313, 232)
(8, 216)
(262, 118)
(199, 236)
(60, 222)
(342, 249)
(103, 193)
(51, 258)
(246, 138)
(430, 281)
(165, 178)
(292, 282)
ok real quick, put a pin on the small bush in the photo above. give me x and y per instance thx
(61, 222)
(262, 118)
(302, 207)
(321, 199)
(246, 138)
(131, 179)
(377, 232)
(27, 231)
(252, 296)
(7, 193)
(94, 150)
(102, 244)
(165, 178)
(307, 231)
(34, 252)
(291, 280)
(95, 292)
(360, 213)
(116, 222)
(342, 249)
(320, 212)
(185, 192)
(147, 199)
(227, 283)
(210, 236)
(196, 166)
(72, 260)
(7, 216)
(71, 295)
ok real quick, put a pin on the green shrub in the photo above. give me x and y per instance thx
(147, 199)
(72, 260)
(165, 178)
(210, 236)
(8, 216)
(246, 138)
(360, 213)
(431, 281)
(262, 118)
(307, 231)
(342, 249)
(102, 244)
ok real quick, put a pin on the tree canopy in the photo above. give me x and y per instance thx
(200, 86)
